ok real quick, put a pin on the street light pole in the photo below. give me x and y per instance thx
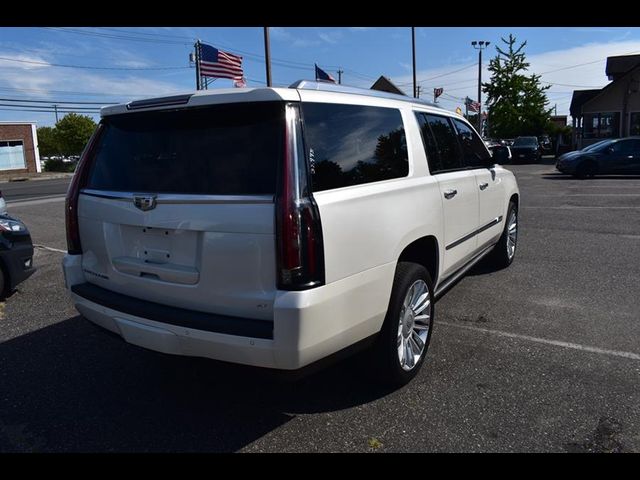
(413, 56)
(480, 45)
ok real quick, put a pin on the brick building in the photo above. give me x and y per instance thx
(19, 148)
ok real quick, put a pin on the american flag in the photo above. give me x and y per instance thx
(219, 64)
(472, 105)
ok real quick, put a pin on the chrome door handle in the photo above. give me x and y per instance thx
(483, 185)
(450, 193)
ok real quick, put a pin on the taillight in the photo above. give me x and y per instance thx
(299, 232)
(78, 182)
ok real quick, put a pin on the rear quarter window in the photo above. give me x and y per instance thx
(353, 144)
(219, 150)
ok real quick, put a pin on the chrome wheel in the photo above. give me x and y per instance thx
(512, 234)
(414, 325)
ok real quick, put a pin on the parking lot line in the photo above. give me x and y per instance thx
(600, 195)
(35, 201)
(44, 247)
(558, 343)
(579, 207)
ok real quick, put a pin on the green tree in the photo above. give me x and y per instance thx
(47, 142)
(516, 101)
(72, 132)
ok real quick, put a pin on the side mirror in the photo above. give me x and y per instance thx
(499, 154)
(609, 150)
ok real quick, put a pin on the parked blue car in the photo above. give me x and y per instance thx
(619, 156)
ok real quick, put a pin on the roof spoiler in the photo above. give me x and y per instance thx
(160, 102)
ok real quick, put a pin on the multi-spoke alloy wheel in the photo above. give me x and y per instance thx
(505, 250)
(414, 325)
(512, 234)
(403, 341)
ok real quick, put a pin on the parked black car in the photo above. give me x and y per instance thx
(16, 254)
(620, 156)
(526, 149)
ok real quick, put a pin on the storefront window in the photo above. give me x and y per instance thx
(634, 123)
(601, 125)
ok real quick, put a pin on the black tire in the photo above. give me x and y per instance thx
(390, 371)
(500, 257)
(3, 283)
(586, 169)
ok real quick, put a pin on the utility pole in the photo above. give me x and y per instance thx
(480, 45)
(340, 72)
(555, 110)
(197, 47)
(55, 108)
(267, 55)
(413, 54)
(418, 88)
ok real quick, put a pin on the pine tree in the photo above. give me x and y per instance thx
(516, 102)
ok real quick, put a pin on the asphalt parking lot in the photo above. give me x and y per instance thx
(542, 356)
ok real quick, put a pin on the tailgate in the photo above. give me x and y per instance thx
(179, 208)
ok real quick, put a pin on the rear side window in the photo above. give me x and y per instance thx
(474, 153)
(220, 150)
(353, 144)
(441, 144)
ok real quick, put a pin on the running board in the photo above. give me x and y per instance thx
(449, 281)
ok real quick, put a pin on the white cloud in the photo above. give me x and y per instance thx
(331, 37)
(14, 61)
(279, 33)
(550, 64)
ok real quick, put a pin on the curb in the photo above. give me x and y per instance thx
(35, 179)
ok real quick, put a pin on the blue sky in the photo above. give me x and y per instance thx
(143, 62)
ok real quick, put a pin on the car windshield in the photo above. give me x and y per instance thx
(525, 142)
(596, 146)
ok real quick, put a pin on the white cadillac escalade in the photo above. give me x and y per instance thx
(278, 226)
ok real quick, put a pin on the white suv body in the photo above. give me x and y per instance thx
(266, 226)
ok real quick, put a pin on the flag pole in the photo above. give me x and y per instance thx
(197, 47)
(267, 55)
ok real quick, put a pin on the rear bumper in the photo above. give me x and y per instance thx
(524, 156)
(307, 326)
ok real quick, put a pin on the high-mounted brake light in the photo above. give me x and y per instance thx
(299, 231)
(78, 182)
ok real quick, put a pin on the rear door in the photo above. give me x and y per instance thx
(490, 189)
(458, 189)
(179, 207)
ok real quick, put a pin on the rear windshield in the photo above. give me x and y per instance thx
(525, 142)
(220, 150)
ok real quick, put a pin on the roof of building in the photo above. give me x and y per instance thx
(385, 85)
(7, 122)
(579, 98)
(619, 65)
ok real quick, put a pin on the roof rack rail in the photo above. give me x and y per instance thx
(332, 87)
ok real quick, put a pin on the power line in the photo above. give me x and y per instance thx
(570, 85)
(55, 101)
(150, 34)
(26, 107)
(117, 37)
(69, 92)
(34, 62)
(45, 111)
